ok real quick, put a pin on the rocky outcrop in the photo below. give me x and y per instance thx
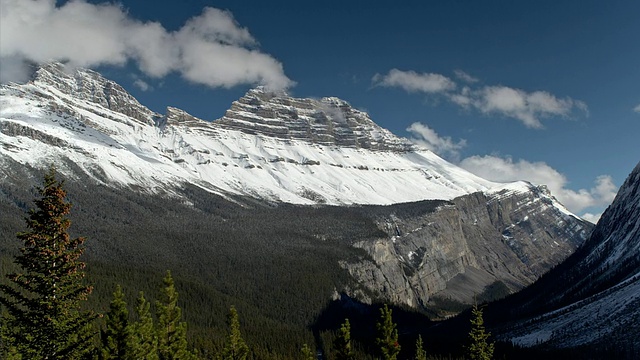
(85, 84)
(328, 121)
(467, 244)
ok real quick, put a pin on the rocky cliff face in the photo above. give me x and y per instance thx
(90, 86)
(329, 121)
(463, 246)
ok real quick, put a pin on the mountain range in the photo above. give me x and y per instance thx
(313, 186)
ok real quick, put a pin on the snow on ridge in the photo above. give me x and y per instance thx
(152, 154)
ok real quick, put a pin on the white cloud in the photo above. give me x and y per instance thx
(528, 107)
(142, 85)
(412, 81)
(592, 218)
(210, 49)
(637, 108)
(505, 169)
(465, 76)
(441, 145)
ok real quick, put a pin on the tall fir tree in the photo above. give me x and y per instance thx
(342, 344)
(479, 346)
(44, 319)
(420, 353)
(387, 335)
(235, 348)
(172, 333)
(116, 337)
(143, 339)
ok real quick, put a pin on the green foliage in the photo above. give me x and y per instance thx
(307, 353)
(143, 340)
(235, 348)
(479, 348)
(43, 318)
(420, 353)
(172, 333)
(342, 344)
(387, 335)
(116, 338)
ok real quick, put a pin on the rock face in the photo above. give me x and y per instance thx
(457, 250)
(329, 121)
(275, 148)
(594, 296)
(88, 85)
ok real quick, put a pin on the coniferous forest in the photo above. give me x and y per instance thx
(158, 300)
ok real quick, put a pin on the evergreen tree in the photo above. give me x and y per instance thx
(387, 335)
(116, 338)
(420, 353)
(479, 348)
(143, 340)
(172, 333)
(44, 319)
(307, 353)
(342, 344)
(235, 348)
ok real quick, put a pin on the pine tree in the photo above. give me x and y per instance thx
(143, 340)
(43, 303)
(307, 353)
(387, 335)
(420, 353)
(342, 344)
(172, 333)
(116, 338)
(479, 348)
(235, 348)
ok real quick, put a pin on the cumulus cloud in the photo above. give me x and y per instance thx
(412, 81)
(637, 108)
(506, 169)
(426, 137)
(527, 107)
(210, 49)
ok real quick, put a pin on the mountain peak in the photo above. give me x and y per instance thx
(328, 121)
(88, 85)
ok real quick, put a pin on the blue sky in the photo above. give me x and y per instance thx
(546, 91)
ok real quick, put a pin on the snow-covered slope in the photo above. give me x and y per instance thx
(595, 294)
(268, 145)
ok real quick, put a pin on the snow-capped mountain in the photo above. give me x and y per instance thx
(268, 145)
(279, 149)
(594, 296)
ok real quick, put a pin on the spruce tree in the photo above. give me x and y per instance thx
(172, 333)
(479, 348)
(143, 339)
(44, 319)
(342, 344)
(116, 338)
(420, 353)
(235, 348)
(387, 335)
